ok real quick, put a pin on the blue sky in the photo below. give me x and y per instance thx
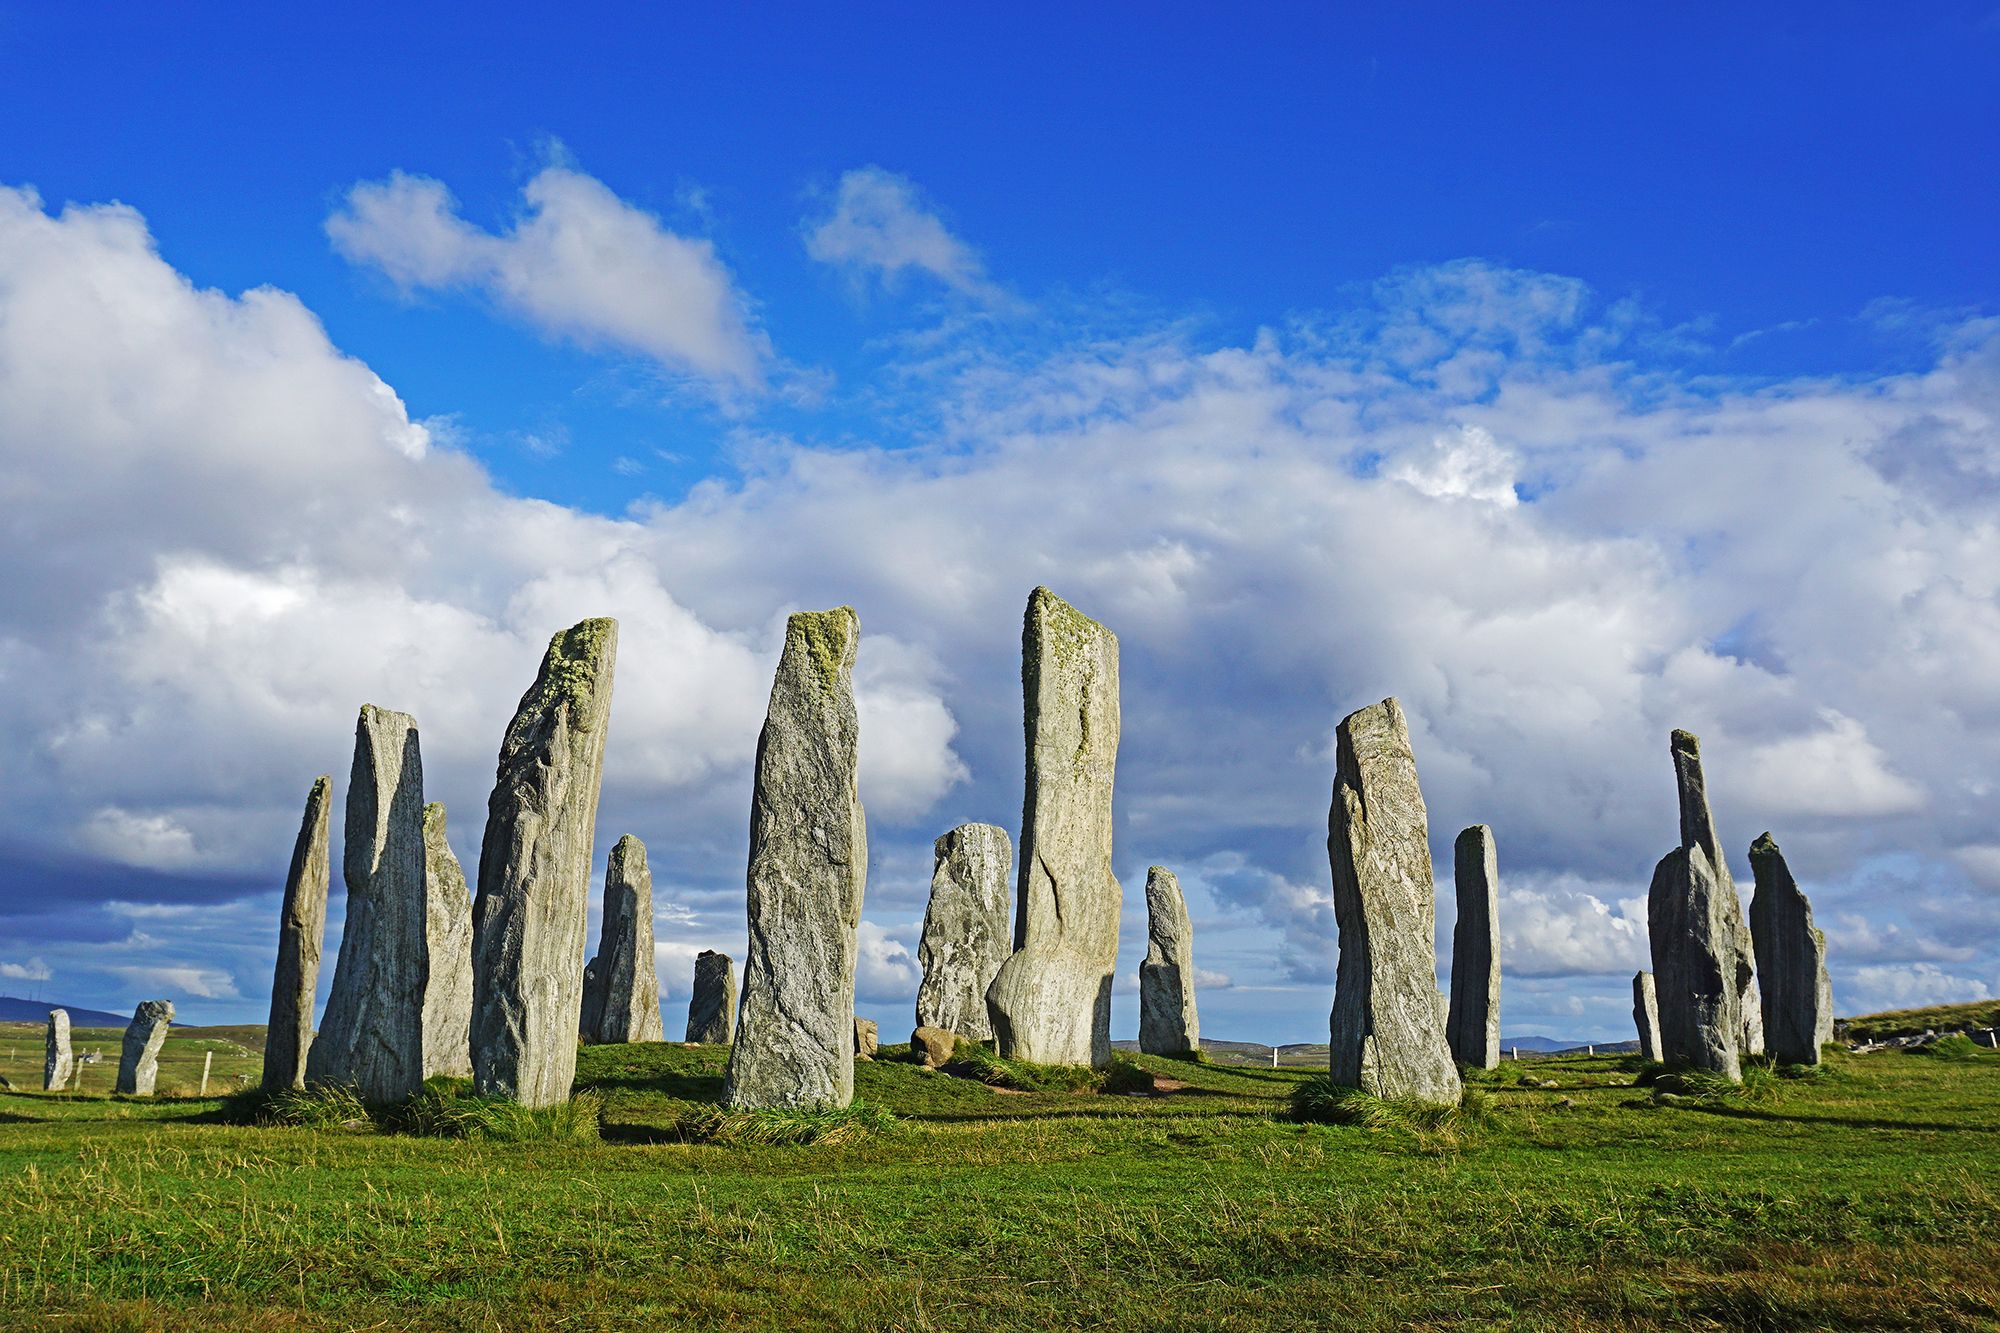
(1571, 373)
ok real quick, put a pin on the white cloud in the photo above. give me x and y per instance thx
(1571, 928)
(170, 982)
(880, 222)
(885, 971)
(154, 841)
(32, 970)
(1908, 986)
(579, 263)
(1468, 464)
(1835, 771)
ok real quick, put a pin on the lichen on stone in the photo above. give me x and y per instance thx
(569, 668)
(825, 639)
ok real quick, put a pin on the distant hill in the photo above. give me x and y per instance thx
(14, 1009)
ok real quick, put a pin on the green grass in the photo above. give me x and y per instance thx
(1863, 1198)
(1911, 1022)
(237, 1063)
(830, 1126)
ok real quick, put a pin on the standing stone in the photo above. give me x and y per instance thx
(301, 936)
(531, 917)
(867, 1038)
(808, 868)
(372, 1038)
(712, 1007)
(1050, 1003)
(621, 991)
(1388, 1018)
(1167, 1021)
(1694, 963)
(139, 1062)
(1646, 1014)
(965, 936)
(58, 1063)
(1791, 961)
(1698, 830)
(448, 929)
(1472, 1028)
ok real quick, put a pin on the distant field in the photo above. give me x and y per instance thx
(239, 1057)
(1866, 1198)
(1910, 1022)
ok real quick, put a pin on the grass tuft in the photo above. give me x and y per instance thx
(1318, 1101)
(445, 1108)
(784, 1126)
(321, 1106)
(984, 1065)
(1127, 1077)
(1954, 1046)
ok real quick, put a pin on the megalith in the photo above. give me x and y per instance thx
(301, 936)
(372, 1035)
(1688, 916)
(1698, 830)
(1791, 961)
(965, 937)
(531, 916)
(1387, 1025)
(1646, 1015)
(712, 1006)
(139, 1060)
(58, 1061)
(448, 931)
(808, 868)
(1472, 1026)
(1167, 1021)
(1051, 1000)
(621, 991)
(867, 1038)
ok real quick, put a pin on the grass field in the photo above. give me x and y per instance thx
(238, 1062)
(1867, 1198)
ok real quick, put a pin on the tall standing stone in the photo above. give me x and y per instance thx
(1387, 1024)
(965, 937)
(1646, 1014)
(712, 1006)
(1791, 961)
(808, 868)
(1051, 1000)
(621, 991)
(58, 1061)
(448, 930)
(1472, 1028)
(301, 936)
(139, 1060)
(1168, 1024)
(1688, 916)
(531, 916)
(372, 1036)
(1698, 830)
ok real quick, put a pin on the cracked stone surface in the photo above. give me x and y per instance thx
(1791, 961)
(712, 1006)
(301, 937)
(139, 1060)
(1646, 1014)
(966, 936)
(1472, 1024)
(448, 935)
(621, 992)
(1168, 1024)
(1698, 830)
(1690, 919)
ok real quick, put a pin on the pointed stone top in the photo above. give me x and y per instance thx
(829, 640)
(319, 786)
(1684, 740)
(1064, 629)
(433, 818)
(570, 667)
(1475, 832)
(388, 715)
(1765, 845)
(628, 856)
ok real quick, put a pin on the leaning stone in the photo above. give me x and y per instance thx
(139, 1062)
(808, 868)
(1694, 959)
(1387, 1026)
(1167, 1021)
(448, 930)
(58, 1063)
(372, 1038)
(1791, 961)
(301, 936)
(1472, 1028)
(1698, 830)
(965, 937)
(1051, 1001)
(1646, 1014)
(531, 917)
(867, 1038)
(621, 994)
(712, 1006)
(933, 1047)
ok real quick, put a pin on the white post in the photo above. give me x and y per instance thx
(207, 1059)
(1274, 1057)
(1517, 1052)
(1590, 1050)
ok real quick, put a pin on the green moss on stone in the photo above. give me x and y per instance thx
(569, 668)
(434, 818)
(823, 639)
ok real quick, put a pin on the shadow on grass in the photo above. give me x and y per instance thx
(1758, 1113)
(681, 1087)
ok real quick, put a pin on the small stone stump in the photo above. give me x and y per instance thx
(1168, 1024)
(58, 1062)
(712, 1006)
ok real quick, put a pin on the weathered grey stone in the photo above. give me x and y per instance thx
(448, 935)
(621, 992)
(1051, 1000)
(1646, 1014)
(965, 937)
(58, 1062)
(372, 1035)
(1472, 1026)
(808, 869)
(867, 1038)
(1694, 961)
(1791, 961)
(531, 917)
(933, 1047)
(1168, 1024)
(301, 936)
(1698, 830)
(712, 1006)
(1387, 1026)
(139, 1061)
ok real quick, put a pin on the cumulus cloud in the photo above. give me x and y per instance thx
(880, 223)
(578, 262)
(1571, 928)
(204, 982)
(32, 970)
(885, 971)
(1908, 986)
